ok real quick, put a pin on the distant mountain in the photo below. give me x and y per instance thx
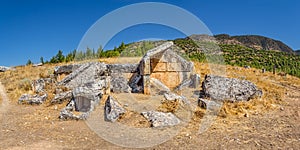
(254, 42)
(297, 52)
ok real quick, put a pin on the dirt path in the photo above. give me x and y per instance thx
(5, 101)
(37, 127)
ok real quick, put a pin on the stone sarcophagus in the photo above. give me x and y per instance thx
(163, 64)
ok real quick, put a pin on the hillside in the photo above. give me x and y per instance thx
(249, 50)
(297, 52)
(254, 42)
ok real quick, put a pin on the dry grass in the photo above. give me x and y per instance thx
(134, 119)
(169, 106)
(273, 93)
(18, 82)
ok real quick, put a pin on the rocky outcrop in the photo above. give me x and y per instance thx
(161, 119)
(112, 110)
(222, 88)
(3, 68)
(32, 99)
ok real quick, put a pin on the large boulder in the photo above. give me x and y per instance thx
(230, 89)
(161, 119)
(86, 73)
(113, 110)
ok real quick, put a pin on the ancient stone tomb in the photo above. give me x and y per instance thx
(164, 67)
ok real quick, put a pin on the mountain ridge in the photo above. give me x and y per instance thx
(257, 42)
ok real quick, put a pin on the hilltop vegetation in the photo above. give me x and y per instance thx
(238, 55)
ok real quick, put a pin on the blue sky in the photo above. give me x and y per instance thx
(34, 28)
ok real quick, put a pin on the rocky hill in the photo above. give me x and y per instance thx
(254, 42)
(297, 52)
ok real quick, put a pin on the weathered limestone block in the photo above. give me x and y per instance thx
(172, 97)
(122, 68)
(195, 81)
(192, 82)
(59, 98)
(86, 73)
(157, 86)
(84, 101)
(32, 99)
(136, 83)
(161, 119)
(113, 110)
(222, 88)
(66, 69)
(119, 84)
(38, 85)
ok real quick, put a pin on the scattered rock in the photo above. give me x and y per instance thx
(161, 119)
(247, 67)
(222, 88)
(172, 97)
(3, 68)
(32, 99)
(37, 65)
(212, 106)
(38, 85)
(112, 109)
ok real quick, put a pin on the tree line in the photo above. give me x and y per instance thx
(78, 55)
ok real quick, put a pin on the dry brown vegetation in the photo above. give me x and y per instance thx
(18, 82)
(38, 119)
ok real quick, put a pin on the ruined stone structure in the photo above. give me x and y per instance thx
(161, 71)
(164, 64)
